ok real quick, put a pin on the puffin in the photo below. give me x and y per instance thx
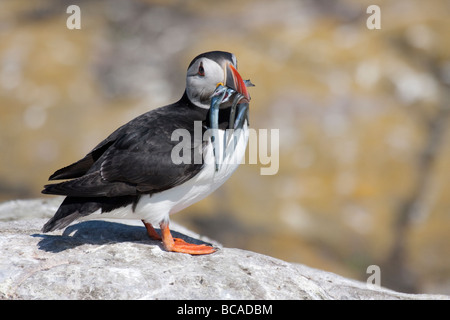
(140, 171)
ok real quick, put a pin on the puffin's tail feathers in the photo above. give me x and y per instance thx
(73, 208)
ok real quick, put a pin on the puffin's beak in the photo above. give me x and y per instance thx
(234, 81)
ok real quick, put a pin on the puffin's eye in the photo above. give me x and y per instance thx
(201, 70)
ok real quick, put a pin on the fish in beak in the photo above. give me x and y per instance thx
(234, 86)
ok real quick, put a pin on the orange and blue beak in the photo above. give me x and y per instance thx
(234, 81)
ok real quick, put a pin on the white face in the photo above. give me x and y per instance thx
(201, 81)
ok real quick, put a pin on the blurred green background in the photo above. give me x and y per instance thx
(363, 117)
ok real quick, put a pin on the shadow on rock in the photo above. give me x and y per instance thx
(99, 233)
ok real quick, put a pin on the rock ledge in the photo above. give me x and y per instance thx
(112, 260)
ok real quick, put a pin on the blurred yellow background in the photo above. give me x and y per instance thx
(363, 118)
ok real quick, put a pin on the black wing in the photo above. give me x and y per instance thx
(135, 159)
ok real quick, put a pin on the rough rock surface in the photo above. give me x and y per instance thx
(116, 260)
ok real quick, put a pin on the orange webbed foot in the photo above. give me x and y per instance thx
(179, 245)
(176, 244)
